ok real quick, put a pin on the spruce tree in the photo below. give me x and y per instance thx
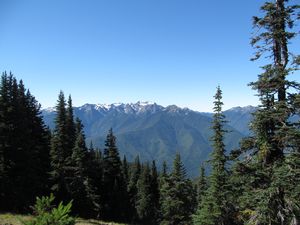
(164, 169)
(60, 152)
(163, 175)
(201, 186)
(155, 191)
(114, 195)
(214, 204)
(36, 143)
(144, 204)
(125, 170)
(176, 198)
(135, 172)
(95, 175)
(70, 127)
(24, 148)
(267, 200)
(80, 187)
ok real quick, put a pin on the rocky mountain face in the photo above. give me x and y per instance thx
(156, 132)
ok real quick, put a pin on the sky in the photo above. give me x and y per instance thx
(110, 51)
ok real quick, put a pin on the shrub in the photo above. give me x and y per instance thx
(47, 214)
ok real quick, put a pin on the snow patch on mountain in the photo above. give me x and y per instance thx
(146, 107)
(245, 109)
(49, 110)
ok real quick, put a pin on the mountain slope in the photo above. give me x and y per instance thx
(153, 131)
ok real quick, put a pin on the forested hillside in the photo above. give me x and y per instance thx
(156, 132)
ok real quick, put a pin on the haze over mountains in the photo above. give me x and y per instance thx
(156, 132)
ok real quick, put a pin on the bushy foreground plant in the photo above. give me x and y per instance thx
(47, 214)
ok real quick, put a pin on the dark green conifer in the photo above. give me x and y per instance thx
(201, 186)
(213, 209)
(135, 172)
(79, 185)
(266, 200)
(144, 203)
(155, 190)
(163, 175)
(60, 152)
(176, 197)
(70, 126)
(24, 146)
(114, 196)
(125, 169)
(95, 175)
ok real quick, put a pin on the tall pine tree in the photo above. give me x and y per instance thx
(267, 200)
(135, 172)
(81, 190)
(114, 194)
(24, 146)
(201, 186)
(177, 196)
(213, 208)
(145, 200)
(95, 175)
(58, 151)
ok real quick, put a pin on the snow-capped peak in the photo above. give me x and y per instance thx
(107, 106)
(138, 107)
(244, 109)
(49, 109)
(144, 103)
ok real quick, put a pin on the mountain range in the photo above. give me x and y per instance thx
(156, 132)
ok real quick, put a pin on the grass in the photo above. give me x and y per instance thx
(12, 219)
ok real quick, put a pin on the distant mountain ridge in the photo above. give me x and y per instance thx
(156, 132)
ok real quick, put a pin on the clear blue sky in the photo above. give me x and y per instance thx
(106, 51)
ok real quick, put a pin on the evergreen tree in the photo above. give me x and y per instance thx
(61, 153)
(80, 187)
(135, 173)
(163, 175)
(95, 175)
(125, 171)
(114, 196)
(213, 209)
(177, 202)
(36, 143)
(144, 204)
(155, 191)
(70, 127)
(201, 186)
(24, 146)
(267, 199)
(164, 169)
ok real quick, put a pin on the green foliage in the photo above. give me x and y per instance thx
(80, 188)
(114, 197)
(177, 195)
(71, 163)
(47, 214)
(135, 172)
(60, 151)
(213, 206)
(24, 146)
(144, 204)
(267, 168)
(201, 185)
(154, 189)
(147, 197)
(94, 175)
